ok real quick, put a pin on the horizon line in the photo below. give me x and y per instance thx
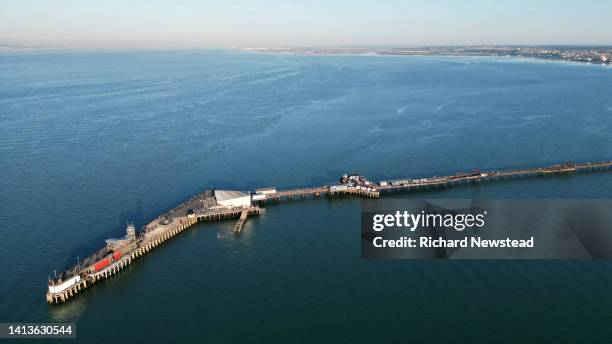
(5, 46)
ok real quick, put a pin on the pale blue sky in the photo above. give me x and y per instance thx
(226, 23)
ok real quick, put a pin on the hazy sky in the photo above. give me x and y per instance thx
(226, 23)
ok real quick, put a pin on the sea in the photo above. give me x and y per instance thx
(91, 140)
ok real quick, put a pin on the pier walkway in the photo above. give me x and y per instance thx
(374, 190)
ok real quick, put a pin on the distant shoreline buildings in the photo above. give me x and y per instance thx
(584, 54)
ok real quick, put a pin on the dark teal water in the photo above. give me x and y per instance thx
(90, 140)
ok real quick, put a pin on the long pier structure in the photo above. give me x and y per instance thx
(217, 205)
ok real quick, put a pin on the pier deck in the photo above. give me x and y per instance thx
(106, 262)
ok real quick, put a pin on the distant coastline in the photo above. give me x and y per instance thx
(582, 54)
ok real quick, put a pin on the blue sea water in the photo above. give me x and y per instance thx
(90, 140)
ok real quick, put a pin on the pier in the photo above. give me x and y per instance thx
(241, 221)
(218, 205)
